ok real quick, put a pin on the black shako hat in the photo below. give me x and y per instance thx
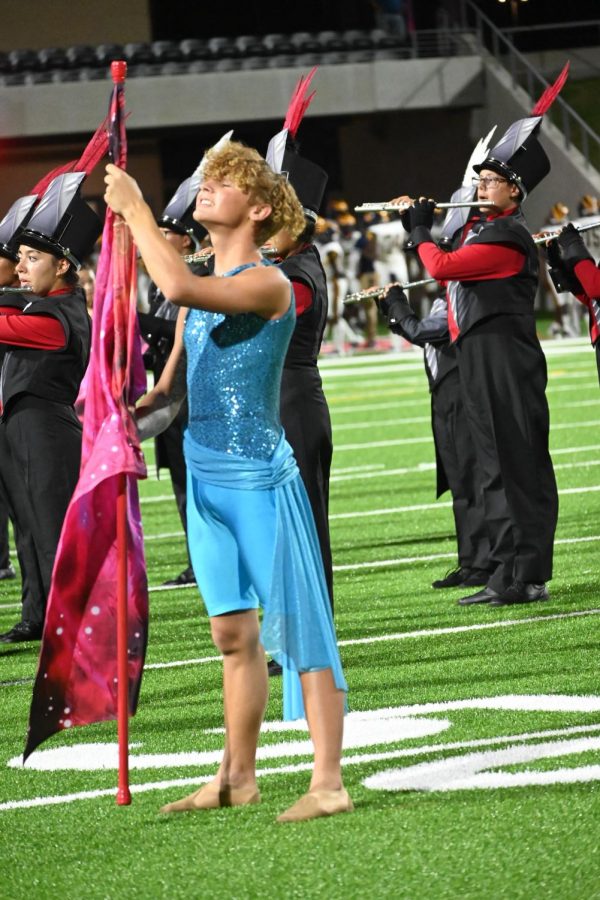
(307, 178)
(518, 156)
(177, 214)
(63, 224)
(12, 225)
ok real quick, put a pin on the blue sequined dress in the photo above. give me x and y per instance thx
(251, 531)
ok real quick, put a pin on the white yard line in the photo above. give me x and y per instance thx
(382, 423)
(557, 389)
(428, 467)
(407, 560)
(419, 507)
(351, 759)
(341, 448)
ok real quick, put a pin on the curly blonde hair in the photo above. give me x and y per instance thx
(248, 171)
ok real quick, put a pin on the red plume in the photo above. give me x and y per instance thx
(551, 93)
(91, 156)
(95, 150)
(299, 103)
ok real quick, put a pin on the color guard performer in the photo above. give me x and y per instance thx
(252, 534)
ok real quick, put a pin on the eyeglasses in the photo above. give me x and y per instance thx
(488, 181)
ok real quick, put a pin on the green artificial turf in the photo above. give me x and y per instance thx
(403, 645)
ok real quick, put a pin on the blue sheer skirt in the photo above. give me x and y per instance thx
(253, 542)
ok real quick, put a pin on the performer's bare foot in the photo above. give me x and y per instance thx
(212, 796)
(318, 803)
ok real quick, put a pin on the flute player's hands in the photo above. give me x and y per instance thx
(404, 204)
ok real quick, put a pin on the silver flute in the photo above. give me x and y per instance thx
(402, 207)
(16, 290)
(201, 256)
(552, 235)
(376, 293)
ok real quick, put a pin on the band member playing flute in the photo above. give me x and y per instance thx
(491, 278)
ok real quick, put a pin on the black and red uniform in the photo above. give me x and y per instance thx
(588, 276)
(47, 342)
(492, 280)
(456, 462)
(304, 411)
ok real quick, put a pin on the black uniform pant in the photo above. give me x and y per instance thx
(307, 425)
(32, 591)
(457, 458)
(43, 439)
(503, 379)
(4, 547)
(169, 453)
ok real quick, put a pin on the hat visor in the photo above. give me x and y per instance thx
(41, 242)
(7, 252)
(494, 166)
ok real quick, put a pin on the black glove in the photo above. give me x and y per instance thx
(405, 219)
(421, 213)
(553, 255)
(562, 277)
(383, 305)
(398, 306)
(572, 248)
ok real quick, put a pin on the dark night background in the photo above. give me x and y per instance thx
(178, 19)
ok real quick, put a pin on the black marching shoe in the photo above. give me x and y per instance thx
(521, 592)
(185, 577)
(487, 595)
(8, 572)
(462, 577)
(22, 631)
(452, 578)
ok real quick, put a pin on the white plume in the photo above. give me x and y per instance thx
(218, 146)
(480, 151)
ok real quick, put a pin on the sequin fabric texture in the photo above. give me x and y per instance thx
(234, 366)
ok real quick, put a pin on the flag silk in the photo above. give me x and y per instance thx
(76, 681)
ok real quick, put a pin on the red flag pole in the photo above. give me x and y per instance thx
(123, 792)
(118, 71)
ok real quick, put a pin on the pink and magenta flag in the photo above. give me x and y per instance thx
(76, 681)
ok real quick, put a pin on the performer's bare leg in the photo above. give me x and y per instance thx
(324, 705)
(245, 691)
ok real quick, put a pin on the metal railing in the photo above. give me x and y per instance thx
(491, 40)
